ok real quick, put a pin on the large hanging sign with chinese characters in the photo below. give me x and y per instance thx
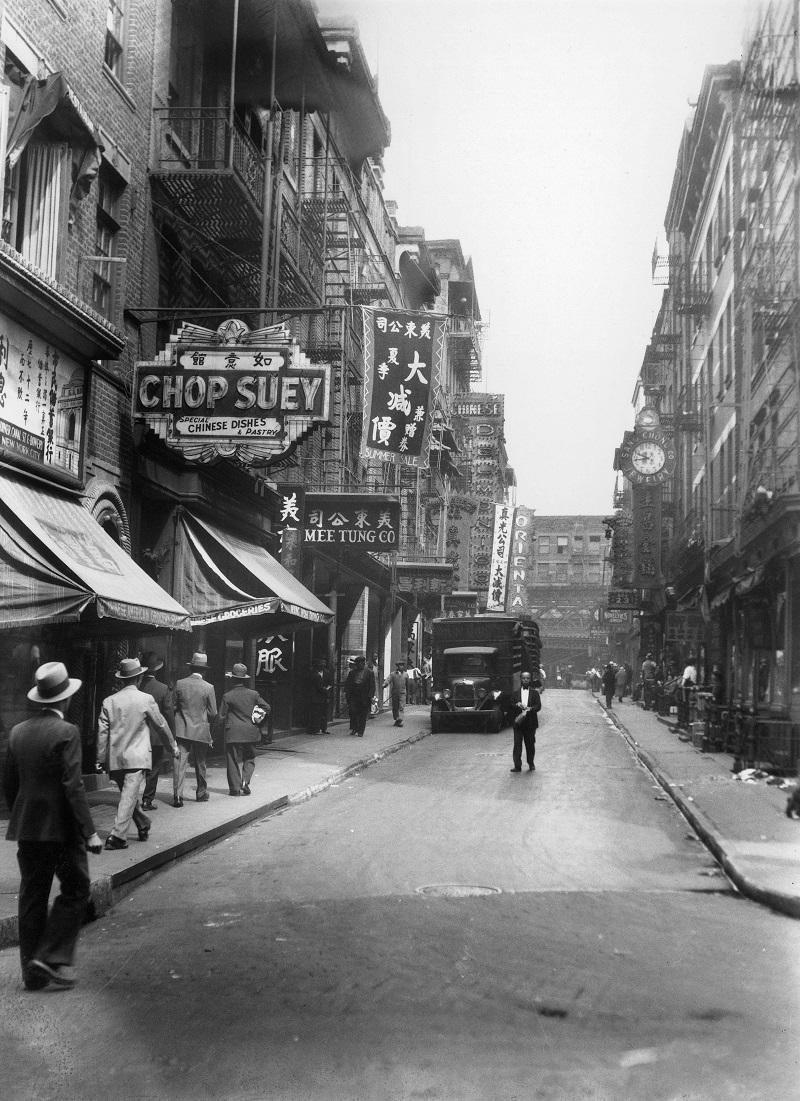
(42, 400)
(232, 393)
(273, 657)
(370, 521)
(646, 509)
(501, 551)
(402, 363)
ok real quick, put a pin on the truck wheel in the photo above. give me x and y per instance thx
(436, 722)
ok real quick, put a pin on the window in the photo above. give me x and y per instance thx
(561, 571)
(595, 542)
(105, 275)
(544, 544)
(36, 197)
(562, 544)
(115, 30)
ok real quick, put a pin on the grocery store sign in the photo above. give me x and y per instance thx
(233, 393)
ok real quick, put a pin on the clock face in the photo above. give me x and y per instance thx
(648, 457)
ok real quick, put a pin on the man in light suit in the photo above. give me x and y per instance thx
(195, 708)
(52, 825)
(161, 693)
(123, 747)
(526, 704)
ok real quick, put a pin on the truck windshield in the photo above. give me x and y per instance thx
(469, 665)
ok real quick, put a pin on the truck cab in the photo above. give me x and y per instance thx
(469, 688)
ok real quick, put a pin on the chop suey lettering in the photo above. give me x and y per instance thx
(229, 392)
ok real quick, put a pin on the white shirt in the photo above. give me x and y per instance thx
(524, 695)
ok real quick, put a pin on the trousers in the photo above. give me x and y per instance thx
(197, 751)
(524, 735)
(130, 782)
(240, 763)
(151, 783)
(52, 937)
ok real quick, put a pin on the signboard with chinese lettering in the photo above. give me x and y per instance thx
(623, 598)
(369, 521)
(646, 512)
(233, 392)
(42, 400)
(402, 363)
(501, 552)
(684, 627)
(458, 604)
(273, 658)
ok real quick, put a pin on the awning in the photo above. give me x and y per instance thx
(749, 581)
(722, 597)
(690, 599)
(224, 577)
(56, 562)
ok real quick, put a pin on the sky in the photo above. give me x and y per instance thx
(543, 134)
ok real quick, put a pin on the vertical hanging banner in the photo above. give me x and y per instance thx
(646, 509)
(403, 355)
(501, 552)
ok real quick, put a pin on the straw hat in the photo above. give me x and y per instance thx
(53, 683)
(239, 672)
(199, 661)
(128, 669)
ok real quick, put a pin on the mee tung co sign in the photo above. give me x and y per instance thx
(233, 392)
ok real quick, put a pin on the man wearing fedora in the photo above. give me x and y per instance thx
(123, 747)
(241, 730)
(52, 825)
(195, 708)
(153, 662)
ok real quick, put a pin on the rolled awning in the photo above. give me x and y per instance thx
(56, 562)
(224, 577)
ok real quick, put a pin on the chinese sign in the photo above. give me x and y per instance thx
(501, 551)
(41, 400)
(371, 521)
(273, 657)
(459, 604)
(402, 361)
(623, 598)
(250, 395)
(646, 509)
(684, 627)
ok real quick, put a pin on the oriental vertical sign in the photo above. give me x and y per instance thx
(234, 393)
(647, 536)
(402, 363)
(501, 551)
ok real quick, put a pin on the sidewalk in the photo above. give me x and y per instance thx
(744, 824)
(290, 770)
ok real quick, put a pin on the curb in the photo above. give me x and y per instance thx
(711, 838)
(105, 889)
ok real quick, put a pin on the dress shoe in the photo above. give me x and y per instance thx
(34, 979)
(245, 789)
(60, 975)
(515, 769)
(531, 768)
(114, 842)
(177, 801)
(148, 804)
(234, 793)
(144, 833)
(203, 798)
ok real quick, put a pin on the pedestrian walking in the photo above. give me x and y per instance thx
(359, 688)
(52, 824)
(123, 748)
(649, 669)
(526, 704)
(320, 687)
(427, 677)
(396, 683)
(609, 682)
(620, 682)
(161, 693)
(240, 729)
(195, 707)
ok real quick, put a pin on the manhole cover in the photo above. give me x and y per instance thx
(456, 890)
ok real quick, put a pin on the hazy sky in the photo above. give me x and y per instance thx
(543, 134)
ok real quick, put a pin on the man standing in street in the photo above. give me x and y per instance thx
(52, 825)
(527, 704)
(320, 684)
(649, 668)
(123, 748)
(359, 688)
(195, 707)
(160, 692)
(396, 683)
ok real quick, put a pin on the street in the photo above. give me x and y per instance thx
(433, 927)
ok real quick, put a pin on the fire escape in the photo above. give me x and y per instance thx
(768, 121)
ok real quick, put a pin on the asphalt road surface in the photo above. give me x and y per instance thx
(436, 927)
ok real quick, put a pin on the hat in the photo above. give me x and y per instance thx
(239, 672)
(351, 661)
(128, 669)
(53, 683)
(152, 661)
(199, 661)
(359, 659)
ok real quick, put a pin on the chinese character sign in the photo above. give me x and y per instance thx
(501, 551)
(646, 536)
(402, 362)
(371, 521)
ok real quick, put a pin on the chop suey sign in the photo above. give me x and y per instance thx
(233, 392)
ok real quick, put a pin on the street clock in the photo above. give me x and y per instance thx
(647, 457)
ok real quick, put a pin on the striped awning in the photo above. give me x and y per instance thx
(57, 563)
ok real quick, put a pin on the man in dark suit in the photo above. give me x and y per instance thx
(195, 707)
(52, 825)
(161, 693)
(526, 704)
